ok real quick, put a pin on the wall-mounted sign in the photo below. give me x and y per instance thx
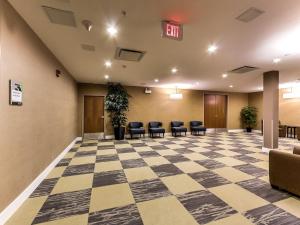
(172, 30)
(15, 93)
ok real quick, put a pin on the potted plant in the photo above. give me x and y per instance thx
(117, 104)
(249, 116)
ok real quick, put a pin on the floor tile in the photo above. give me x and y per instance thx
(108, 166)
(210, 164)
(71, 220)
(209, 179)
(79, 169)
(190, 167)
(264, 190)
(109, 178)
(232, 174)
(180, 184)
(195, 156)
(56, 172)
(85, 153)
(107, 152)
(83, 160)
(44, 188)
(63, 205)
(27, 212)
(138, 174)
(165, 211)
(291, 205)
(242, 200)
(148, 190)
(236, 219)
(205, 207)
(133, 163)
(176, 158)
(153, 161)
(107, 158)
(106, 197)
(126, 156)
(73, 183)
(126, 215)
(229, 161)
(270, 214)
(252, 170)
(166, 170)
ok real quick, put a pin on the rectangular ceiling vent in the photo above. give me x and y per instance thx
(129, 54)
(250, 14)
(86, 47)
(59, 16)
(244, 69)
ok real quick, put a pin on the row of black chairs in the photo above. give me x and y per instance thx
(155, 128)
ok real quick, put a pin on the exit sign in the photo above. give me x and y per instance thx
(172, 30)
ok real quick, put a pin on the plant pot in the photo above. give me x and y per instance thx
(119, 133)
(249, 129)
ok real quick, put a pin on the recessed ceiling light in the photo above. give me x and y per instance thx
(276, 60)
(231, 86)
(156, 80)
(224, 75)
(212, 48)
(197, 83)
(106, 77)
(112, 30)
(174, 70)
(108, 64)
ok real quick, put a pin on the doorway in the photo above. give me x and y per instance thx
(93, 116)
(215, 111)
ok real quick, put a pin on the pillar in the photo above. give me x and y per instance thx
(270, 110)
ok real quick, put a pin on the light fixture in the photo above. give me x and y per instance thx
(174, 70)
(212, 48)
(156, 80)
(276, 60)
(176, 95)
(87, 25)
(197, 83)
(112, 30)
(106, 76)
(224, 75)
(108, 64)
(231, 86)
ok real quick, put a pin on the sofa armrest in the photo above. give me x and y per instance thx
(296, 150)
(284, 171)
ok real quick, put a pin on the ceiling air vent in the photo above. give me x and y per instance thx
(244, 69)
(250, 14)
(59, 16)
(129, 54)
(86, 47)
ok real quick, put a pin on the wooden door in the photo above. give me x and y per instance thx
(210, 111)
(93, 114)
(215, 111)
(221, 109)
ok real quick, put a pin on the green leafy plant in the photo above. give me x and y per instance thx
(249, 116)
(117, 104)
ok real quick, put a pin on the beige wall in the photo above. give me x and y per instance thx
(158, 106)
(256, 100)
(289, 109)
(34, 134)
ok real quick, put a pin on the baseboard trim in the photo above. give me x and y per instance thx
(15, 204)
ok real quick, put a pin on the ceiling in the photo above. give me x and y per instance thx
(205, 22)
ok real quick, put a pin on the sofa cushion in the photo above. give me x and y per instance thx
(157, 130)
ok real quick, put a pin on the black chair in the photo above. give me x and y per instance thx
(156, 128)
(136, 128)
(197, 127)
(177, 127)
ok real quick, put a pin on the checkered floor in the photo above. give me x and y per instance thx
(214, 179)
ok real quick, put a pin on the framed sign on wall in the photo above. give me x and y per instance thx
(15, 93)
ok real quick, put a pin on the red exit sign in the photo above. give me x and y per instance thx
(172, 30)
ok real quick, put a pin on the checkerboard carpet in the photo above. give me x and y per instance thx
(215, 179)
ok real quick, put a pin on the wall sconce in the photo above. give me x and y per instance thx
(176, 95)
(87, 25)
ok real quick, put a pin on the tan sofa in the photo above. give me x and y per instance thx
(284, 170)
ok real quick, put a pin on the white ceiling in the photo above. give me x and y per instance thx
(205, 22)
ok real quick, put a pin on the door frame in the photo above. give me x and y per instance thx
(227, 108)
(82, 108)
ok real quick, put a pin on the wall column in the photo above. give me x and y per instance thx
(270, 109)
